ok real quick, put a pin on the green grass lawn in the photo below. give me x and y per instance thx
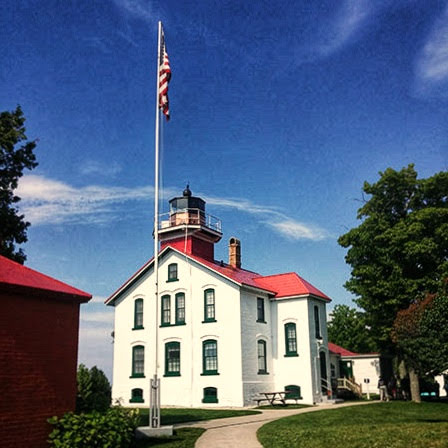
(388, 425)
(181, 415)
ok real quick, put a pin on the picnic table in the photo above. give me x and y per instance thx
(273, 396)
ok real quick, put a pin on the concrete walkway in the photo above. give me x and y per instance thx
(236, 432)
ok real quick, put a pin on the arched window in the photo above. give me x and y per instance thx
(136, 396)
(210, 357)
(261, 353)
(209, 305)
(138, 314)
(166, 310)
(210, 395)
(180, 308)
(317, 322)
(172, 359)
(172, 272)
(138, 361)
(291, 339)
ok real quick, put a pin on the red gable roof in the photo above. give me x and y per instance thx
(340, 350)
(16, 277)
(280, 285)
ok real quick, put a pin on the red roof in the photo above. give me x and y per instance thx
(280, 285)
(289, 284)
(15, 277)
(340, 350)
(344, 352)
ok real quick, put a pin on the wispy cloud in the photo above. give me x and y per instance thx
(98, 43)
(431, 68)
(299, 231)
(335, 32)
(47, 201)
(97, 168)
(95, 341)
(140, 9)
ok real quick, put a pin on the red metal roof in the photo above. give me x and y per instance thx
(14, 276)
(280, 285)
(289, 284)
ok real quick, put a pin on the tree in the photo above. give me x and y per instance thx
(94, 391)
(421, 335)
(348, 328)
(400, 250)
(13, 160)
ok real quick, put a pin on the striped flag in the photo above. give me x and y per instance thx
(164, 78)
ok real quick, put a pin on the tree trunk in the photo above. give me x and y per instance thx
(415, 386)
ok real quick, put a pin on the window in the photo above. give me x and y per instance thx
(209, 305)
(261, 348)
(166, 310)
(210, 357)
(291, 340)
(293, 392)
(172, 272)
(180, 308)
(317, 322)
(138, 314)
(333, 370)
(260, 310)
(136, 396)
(210, 395)
(138, 361)
(172, 359)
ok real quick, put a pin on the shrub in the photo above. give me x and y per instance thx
(94, 392)
(111, 429)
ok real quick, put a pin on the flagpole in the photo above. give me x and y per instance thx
(154, 411)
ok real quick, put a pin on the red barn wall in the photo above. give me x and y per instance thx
(38, 361)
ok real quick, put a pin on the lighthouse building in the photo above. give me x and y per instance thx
(225, 334)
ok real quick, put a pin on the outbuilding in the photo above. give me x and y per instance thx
(39, 325)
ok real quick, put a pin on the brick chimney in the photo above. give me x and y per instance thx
(234, 252)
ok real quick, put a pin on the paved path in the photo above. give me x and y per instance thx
(241, 432)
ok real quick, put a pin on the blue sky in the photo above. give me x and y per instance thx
(280, 111)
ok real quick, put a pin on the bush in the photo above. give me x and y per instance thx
(111, 429)
(94, 392)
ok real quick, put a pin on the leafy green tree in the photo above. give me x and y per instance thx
(348, 328)
(94, 391)
(400, 250)
(16, 154)
(421, 334)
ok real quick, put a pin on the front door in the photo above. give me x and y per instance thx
(323, 371)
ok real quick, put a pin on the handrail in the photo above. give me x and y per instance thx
(326, 386)
(189, 216)
(345, 383)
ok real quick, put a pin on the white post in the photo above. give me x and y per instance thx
(154, 410)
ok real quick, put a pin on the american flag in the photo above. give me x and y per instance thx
(164, 78)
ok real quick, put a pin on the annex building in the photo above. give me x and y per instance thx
(225, 334)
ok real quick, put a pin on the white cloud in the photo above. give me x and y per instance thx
(94, 167)
(96, 347)
(431, 68)
(47, 201)
(141, 9)
(352, 15)
(298, 231)
(333, 33)
(99, 317)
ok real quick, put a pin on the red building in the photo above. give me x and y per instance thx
(39, 322)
